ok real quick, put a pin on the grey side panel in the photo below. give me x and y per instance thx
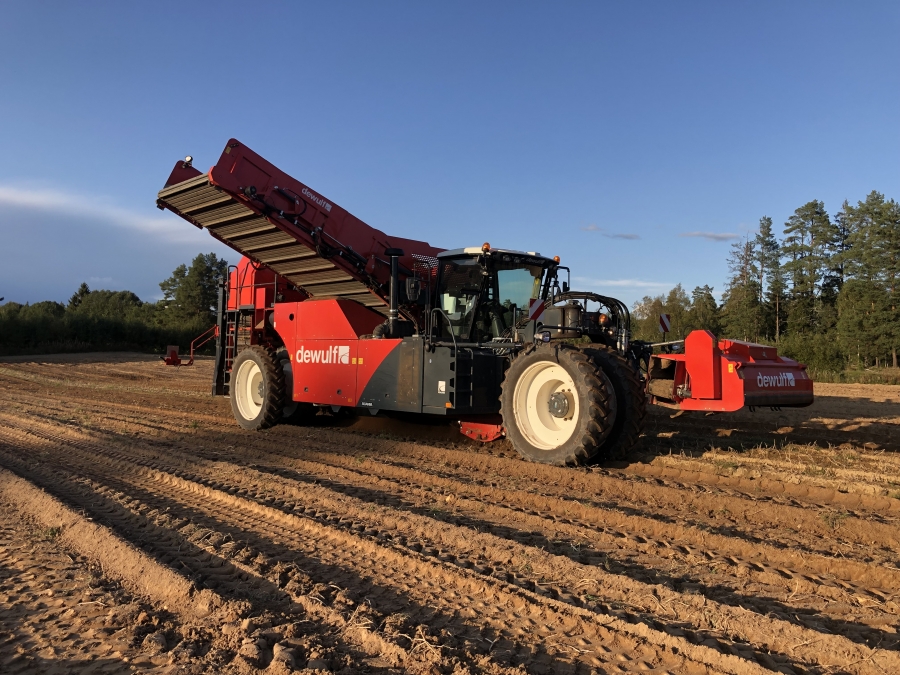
(439, 367)
(397, 384)
(470, 381)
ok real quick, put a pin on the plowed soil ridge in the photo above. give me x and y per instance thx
(445, 555)
(392, 568)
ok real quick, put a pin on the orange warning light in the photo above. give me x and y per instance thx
(556, 258)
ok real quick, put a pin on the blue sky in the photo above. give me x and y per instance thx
(631, 139)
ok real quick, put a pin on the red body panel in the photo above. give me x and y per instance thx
(181, 172)
(330, 364)
(250, 284)
(324, 371)
(240, 168)
(727, 375)
(703, 364)
(767, 378)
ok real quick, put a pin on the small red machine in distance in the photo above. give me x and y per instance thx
(325, 310)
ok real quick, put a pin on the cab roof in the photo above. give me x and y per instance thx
(477, 250)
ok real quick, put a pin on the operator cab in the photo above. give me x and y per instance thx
(484, 296)
(484, 293)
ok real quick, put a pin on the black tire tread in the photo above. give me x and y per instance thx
(580, 449)
(304, 412)
(273, 377)
(631, 403)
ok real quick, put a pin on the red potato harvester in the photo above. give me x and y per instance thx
(324, 310)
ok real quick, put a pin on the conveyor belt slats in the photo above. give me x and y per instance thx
(263, 241)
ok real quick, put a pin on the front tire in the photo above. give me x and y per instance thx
(558, 407)
(257, 388)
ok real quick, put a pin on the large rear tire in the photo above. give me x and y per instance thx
(558, 407)
(257, 388)
(631, 403)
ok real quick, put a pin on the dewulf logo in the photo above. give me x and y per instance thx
(336, 354)
(780, 380)
(317, 199)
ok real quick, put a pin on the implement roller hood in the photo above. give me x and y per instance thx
(278, 222)
(726, 375)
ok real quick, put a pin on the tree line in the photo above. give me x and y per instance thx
(105, 320)
(824, 292)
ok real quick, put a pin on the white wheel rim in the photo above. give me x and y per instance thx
(248, 389)
(531, 405)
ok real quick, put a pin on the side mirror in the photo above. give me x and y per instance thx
(413, 289)
(565, 287)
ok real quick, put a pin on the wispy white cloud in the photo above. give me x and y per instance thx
(610, 235)
(638, 284)
(101, 280)
(61, 203)
(712, 236)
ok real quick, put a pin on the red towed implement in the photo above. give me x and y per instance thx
(325, 310)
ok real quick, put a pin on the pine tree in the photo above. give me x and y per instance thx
(809, 244)
(770, 278)
(79, 295)
(677, 306)
(872, 259)
(645, 317)
(191, 291)
(740, 306)
(704, 312)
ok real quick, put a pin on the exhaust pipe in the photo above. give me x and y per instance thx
(394, 313)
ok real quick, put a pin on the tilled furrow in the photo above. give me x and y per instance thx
(163, 541)
(758, 504)
(810, 618)
(673, 538)
(328, 488)
(56, 382)
(678, 543)
(582, 540)
(241, 573)
(757, 518)
(819, 434)
(789, 633)
(115, 414)
(481, 605)
(866, 506)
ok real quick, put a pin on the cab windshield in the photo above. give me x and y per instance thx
(481, 303)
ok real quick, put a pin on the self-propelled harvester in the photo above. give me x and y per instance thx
(324, 310)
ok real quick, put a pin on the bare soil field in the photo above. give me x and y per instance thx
(141, 530)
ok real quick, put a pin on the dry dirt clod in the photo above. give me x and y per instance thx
(283, 654)
(251, 650)
(318, 664)
(183, 652)
(155, 642)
